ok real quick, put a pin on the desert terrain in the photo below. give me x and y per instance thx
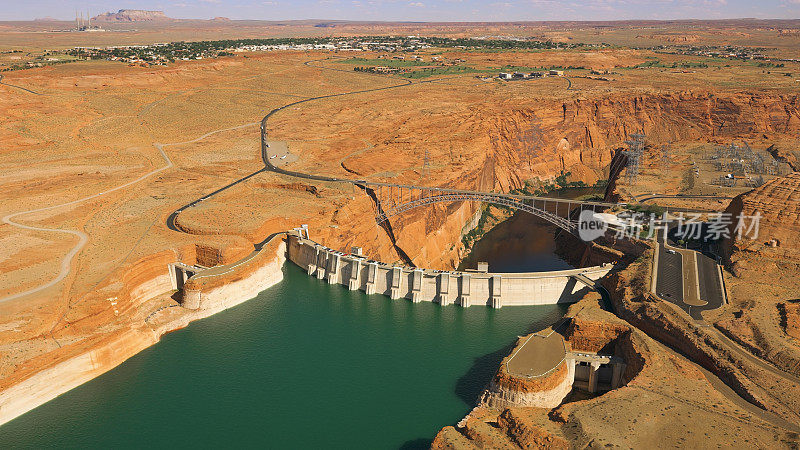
(97, 154)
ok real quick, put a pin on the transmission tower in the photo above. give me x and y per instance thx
(634, 153)
(424, 172)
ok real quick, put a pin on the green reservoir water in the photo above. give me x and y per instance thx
(303, 365)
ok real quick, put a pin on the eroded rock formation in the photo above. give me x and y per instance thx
(777, 203)
(133, 15)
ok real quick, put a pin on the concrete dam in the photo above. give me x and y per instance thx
(463, 288)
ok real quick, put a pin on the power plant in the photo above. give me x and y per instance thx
(84, 23)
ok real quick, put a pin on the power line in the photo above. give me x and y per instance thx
(634, 153)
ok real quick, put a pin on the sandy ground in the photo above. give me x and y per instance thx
(98, 126)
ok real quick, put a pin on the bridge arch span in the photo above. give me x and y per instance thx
(559, 212)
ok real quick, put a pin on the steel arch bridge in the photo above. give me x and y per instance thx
(395, 199)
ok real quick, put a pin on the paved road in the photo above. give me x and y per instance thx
(691, 283)
(644, 198)
(66, 261)
(265, 155)
(269, 166)
(711, 289)
(689, 279)
(641, 198)
(669, 279)
(18, 87)
(730, 394)
(82, 237)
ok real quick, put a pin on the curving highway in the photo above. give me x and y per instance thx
(268, 166)
(82, 237)
(66, 261)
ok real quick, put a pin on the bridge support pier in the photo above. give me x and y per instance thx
(355, 275)
(416, 286)
(443, 296)
(394, 290)
(463, 298)
(496, 289)
(372, 272)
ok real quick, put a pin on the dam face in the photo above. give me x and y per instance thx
(463, 288)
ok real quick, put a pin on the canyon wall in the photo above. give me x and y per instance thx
(777, 203)
(45, 385)
(224, 288)
(671, 326)
(580, 136)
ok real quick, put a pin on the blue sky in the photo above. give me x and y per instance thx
(418, 10)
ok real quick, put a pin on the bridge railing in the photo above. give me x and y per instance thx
(442, 195)
(521, 197)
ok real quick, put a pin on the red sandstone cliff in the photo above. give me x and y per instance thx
(778, 204)
(528, 142)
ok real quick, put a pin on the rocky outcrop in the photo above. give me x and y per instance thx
(133, 15)
(580, 137)
(749, 329)
(229, 285)
(790, 318)
(527, 435)
(548, 391)
(595, 336)
(778, 205)
(51, 381)
(513, 428)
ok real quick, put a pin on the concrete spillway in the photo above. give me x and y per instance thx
(444, 287)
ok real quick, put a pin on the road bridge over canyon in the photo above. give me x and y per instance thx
(399, 198)
(392, 199)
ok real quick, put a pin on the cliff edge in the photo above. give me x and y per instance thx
(133, 15)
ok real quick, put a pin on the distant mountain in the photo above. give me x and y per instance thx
(133, 15)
